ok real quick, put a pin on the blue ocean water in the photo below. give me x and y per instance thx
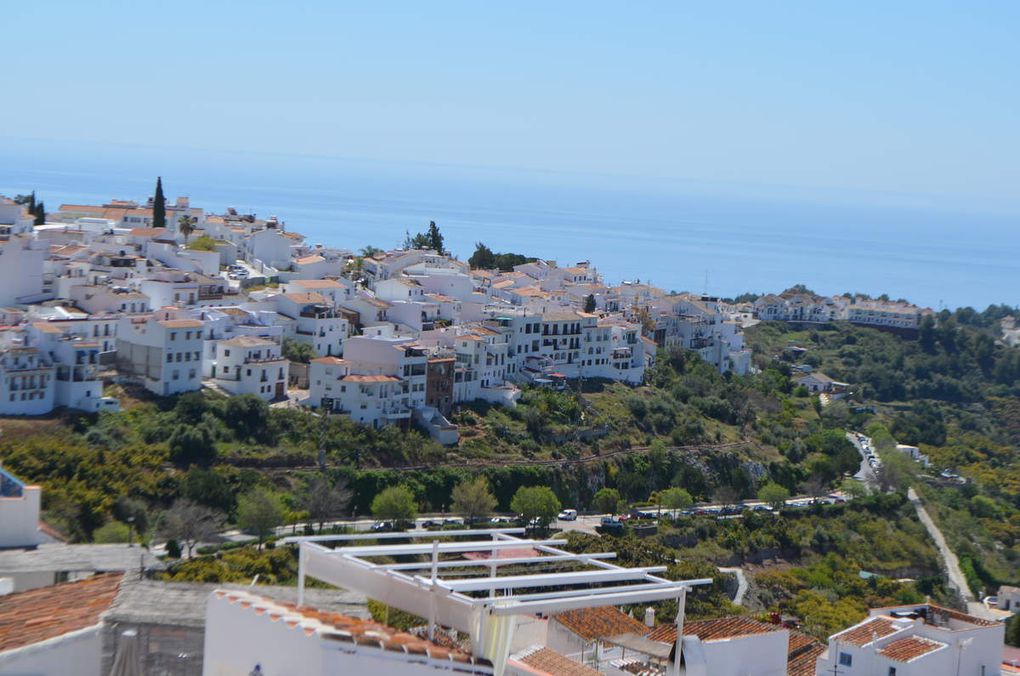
(680, 236)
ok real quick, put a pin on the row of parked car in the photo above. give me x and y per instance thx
(869, 450)
(431, 524)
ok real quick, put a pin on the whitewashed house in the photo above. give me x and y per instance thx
(250, 365)
(19, 512)
(915, 640)
(27, 379)
(163, 353)
(317, 322)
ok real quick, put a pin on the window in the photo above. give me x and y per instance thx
(177, 375)
(226, 353)
(892, 671)
(846, 660)
(173, 335)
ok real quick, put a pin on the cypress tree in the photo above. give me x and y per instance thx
(435, 238)
(40, 213)
(159, 205)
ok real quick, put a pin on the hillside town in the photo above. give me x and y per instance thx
(170, 299)
(97, 294)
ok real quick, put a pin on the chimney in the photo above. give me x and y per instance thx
(649, 617)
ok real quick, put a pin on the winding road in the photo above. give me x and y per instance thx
(738, 598)
(957, 580)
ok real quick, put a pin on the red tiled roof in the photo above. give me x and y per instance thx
(358, 378)
(802, 654)
(181, 323)
(317, 283)
(362, 632)
(714, 630)
(910, 648)
(603, 622)
(867, 631)
(551, 662)
(48, 612)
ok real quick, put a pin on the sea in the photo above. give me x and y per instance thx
(715, 238)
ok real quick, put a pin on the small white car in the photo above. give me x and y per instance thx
(567, 515)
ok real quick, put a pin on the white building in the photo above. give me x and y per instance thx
(27, 380)
(507, 634)
(56, 630)
(250, 634)
(317, 322)
(915, 640)
(77, 361)
(164, 353)
(22, 263)
(882, 314)
(251, 365)
(19, 512)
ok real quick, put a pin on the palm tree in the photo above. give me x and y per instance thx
(185, 227)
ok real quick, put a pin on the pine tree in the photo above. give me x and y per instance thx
(435, 238)
(589, 303)
(159, 205)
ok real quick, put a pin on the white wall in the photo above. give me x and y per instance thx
(19, 519)
(238, 638)
(78, 653)
(754, 655)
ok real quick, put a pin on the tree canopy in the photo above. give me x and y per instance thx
(485, 259)
(537, 505)
(430, 239)
(159, 205)
(396, 504)
(259, 512)
(473, 499)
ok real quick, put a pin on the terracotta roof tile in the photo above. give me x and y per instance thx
(358, 378)
(865, 632)
(605, 621)
(350, 629)
(910, 648)
(48, 612)
(802, 654)
(551, 662)
(317, 283)
(715, 630)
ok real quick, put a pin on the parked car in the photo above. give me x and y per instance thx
(382, 526)
(567, 515)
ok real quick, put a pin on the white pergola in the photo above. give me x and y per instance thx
(483, 605)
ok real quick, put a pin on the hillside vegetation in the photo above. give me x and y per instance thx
(953, 391)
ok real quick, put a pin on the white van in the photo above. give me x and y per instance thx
(567, 515)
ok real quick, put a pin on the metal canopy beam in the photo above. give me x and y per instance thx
(549, 579)
(570, 593)
(487, 563)
(553, 606)
(409, 535)
(443, 547)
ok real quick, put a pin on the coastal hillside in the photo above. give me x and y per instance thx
(951, 391)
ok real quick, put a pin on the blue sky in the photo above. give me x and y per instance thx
(906, 97)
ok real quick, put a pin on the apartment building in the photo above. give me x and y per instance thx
(27, 379)
(915, 640)
(162, 352)
(250, 365)
(316, 321)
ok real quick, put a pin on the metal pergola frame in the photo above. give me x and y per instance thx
(418, 587)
